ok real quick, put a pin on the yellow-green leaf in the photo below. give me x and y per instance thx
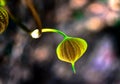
(3, 19)
(71, 49)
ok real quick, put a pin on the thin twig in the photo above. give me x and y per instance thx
(36, 17)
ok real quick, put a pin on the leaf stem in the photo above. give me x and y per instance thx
(54, 30)
(73, 68)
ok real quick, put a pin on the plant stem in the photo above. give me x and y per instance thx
(73, 68)
(17, 21)
(36, 17)
(54, 30)
(29, 31)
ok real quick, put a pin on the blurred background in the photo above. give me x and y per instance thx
(24, 60)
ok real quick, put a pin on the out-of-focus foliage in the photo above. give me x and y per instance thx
(2, 3)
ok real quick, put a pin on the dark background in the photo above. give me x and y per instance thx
(24, 60)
